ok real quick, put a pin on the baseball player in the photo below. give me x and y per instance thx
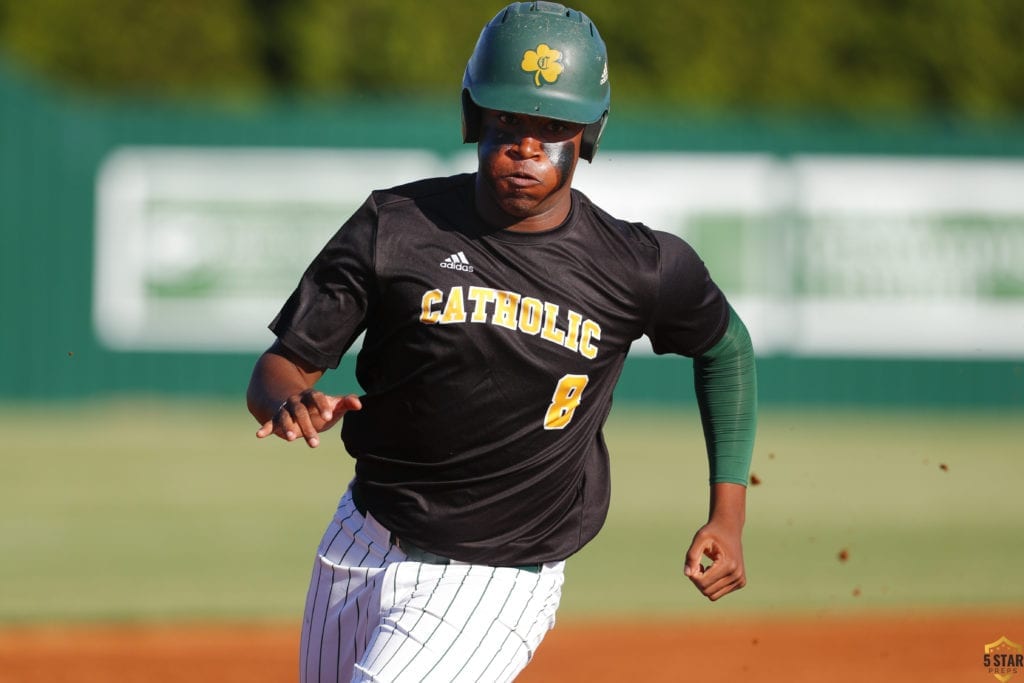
(498, 308)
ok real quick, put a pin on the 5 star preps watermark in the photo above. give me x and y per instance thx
(1004, 659)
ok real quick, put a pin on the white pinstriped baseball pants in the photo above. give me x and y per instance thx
(372, 615)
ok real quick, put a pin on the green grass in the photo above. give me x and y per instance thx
(157, 510)
(160, 510)
(928, 507)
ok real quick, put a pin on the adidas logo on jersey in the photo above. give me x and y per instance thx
(457, 262)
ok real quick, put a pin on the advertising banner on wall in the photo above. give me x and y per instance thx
(197, 248)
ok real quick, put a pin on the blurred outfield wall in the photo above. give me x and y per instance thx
(146, 247)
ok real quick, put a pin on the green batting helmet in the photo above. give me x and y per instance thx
(541, 59)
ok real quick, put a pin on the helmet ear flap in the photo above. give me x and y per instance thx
(470, 118)
(592, 137)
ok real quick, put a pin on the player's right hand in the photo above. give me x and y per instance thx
(307, 414)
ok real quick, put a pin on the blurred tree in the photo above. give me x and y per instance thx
(891, 57)
(158, 47)
(958, 57)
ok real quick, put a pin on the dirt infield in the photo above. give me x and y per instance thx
(932, 649)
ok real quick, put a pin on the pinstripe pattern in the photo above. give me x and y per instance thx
(373, 616)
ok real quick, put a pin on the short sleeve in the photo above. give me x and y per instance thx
(328, 309)
(691, 312)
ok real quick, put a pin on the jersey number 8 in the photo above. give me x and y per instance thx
(565, 400)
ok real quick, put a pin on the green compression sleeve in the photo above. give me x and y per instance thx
(725, 379)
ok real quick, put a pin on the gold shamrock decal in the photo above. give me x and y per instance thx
(543, 62)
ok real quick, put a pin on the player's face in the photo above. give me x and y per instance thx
(526, 164)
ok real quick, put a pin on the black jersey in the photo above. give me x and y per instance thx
(489, 361)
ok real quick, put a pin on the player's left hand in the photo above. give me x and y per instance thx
(726, 573)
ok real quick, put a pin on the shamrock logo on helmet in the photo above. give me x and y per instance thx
(544, 63)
